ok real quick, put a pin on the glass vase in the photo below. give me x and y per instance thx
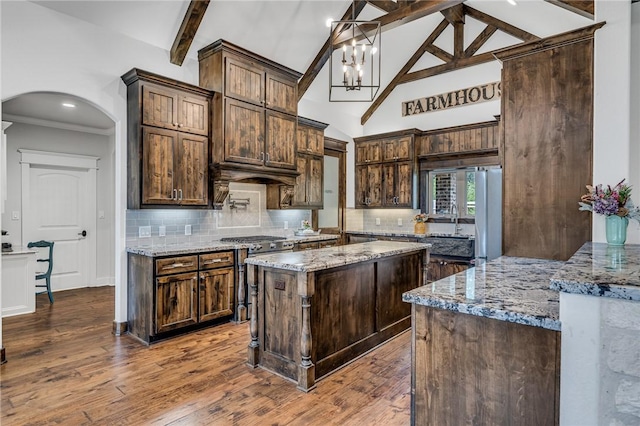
(616, 229)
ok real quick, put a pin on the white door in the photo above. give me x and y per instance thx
(59, 205)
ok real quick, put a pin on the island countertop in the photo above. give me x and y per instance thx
(598, 269)
(512, 289)
(332, 257)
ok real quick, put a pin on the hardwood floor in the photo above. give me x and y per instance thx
(66, 367)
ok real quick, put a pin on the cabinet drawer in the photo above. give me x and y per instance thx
(306, 246)
(324, 244)
(174, 265)
(216, 260)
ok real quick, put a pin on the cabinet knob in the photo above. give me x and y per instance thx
(179, 125)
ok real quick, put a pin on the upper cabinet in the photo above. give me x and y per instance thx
(386, 170)
(168, 144)
(308, 189)
(254, 126)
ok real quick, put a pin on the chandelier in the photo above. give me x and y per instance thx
(354, 64)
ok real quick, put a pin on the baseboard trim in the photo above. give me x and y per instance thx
(119, 328)
(3, 357)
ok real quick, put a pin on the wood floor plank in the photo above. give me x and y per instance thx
(65, 367)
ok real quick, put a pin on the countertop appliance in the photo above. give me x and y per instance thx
(488, 212)
(262, 244)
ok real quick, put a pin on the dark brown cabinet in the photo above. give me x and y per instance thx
(308, 190)
(386, 171)
(258, 104)
(168, 144)
(170, 295)
(441, 268)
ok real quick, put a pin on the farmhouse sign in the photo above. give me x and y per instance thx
(471, 95)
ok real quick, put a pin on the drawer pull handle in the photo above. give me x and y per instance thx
(178, 265)
(209, 262)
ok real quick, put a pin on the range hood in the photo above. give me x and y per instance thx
(223, 173)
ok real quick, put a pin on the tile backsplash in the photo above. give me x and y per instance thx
(244, 213)
(388, 220)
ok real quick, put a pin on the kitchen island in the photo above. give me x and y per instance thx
(486, 346)
(314, 311)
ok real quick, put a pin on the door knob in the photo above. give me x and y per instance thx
(83, 233)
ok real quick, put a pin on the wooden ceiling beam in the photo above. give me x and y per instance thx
(454, 15)
(187, 31)
(384, 5)
(584, 8)
(438, 53)
(409, 13)
(323, 55)
(480, 40)
(501, 25)
(456, 64)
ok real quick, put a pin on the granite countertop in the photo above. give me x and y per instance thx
(19, 250)
(598, 269)
(326, 258)
(513, 289)
(412, 235)
(214, 245)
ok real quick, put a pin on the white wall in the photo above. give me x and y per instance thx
(40, 138)
(634, 144)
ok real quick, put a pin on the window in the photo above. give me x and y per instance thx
(452, 192)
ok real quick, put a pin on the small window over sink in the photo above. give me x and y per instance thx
(452, 193)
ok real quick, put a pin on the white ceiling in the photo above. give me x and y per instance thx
(289, 32)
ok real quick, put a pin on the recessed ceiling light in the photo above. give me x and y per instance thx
(68, 105)
(512, 2)
(328, 22)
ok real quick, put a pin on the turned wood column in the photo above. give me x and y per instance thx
(253, 351)
(306, 369)
(241, 310)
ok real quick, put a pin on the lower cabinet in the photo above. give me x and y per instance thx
(312, 245)
(442, 268)
(170, 295)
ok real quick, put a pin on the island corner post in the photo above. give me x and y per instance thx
(306, 324)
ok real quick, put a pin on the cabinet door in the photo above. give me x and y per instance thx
(374, 177)
(281, 94)
(191, 171)
(244, 81)
(315, 141)
(404, 184)
(158, 166)
(368, 152)
(281, 140)
(300, 188)
(315, 182)
(159, 106)
(175, 301)
(193, 115)
(361, 186)
(216, 293)
(244, 133)
(389, 184)
(398, 149)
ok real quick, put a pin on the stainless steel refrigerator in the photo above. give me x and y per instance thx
(488, 212)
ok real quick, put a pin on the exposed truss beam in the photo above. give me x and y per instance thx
(188, 29)
(409, 11)
(460, 58)
(584, 8)
(384, 5)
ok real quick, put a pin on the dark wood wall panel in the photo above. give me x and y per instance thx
(459, 139)
(547, 121)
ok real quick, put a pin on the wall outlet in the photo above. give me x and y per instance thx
(15, 215)
(144, 231)
(162, 231)
(187, 230)
(399, 221)
(377, 221)
(100, 214)
(286, 224)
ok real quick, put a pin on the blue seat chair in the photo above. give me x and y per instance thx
(47, 274)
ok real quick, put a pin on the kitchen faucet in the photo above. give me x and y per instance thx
(454, 212)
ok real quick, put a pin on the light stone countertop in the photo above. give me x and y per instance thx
(598, 269)
(214, 245)
(412, 234)
(332, 257)
(513, 289)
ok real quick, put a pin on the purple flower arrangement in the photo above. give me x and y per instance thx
(610, 201)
